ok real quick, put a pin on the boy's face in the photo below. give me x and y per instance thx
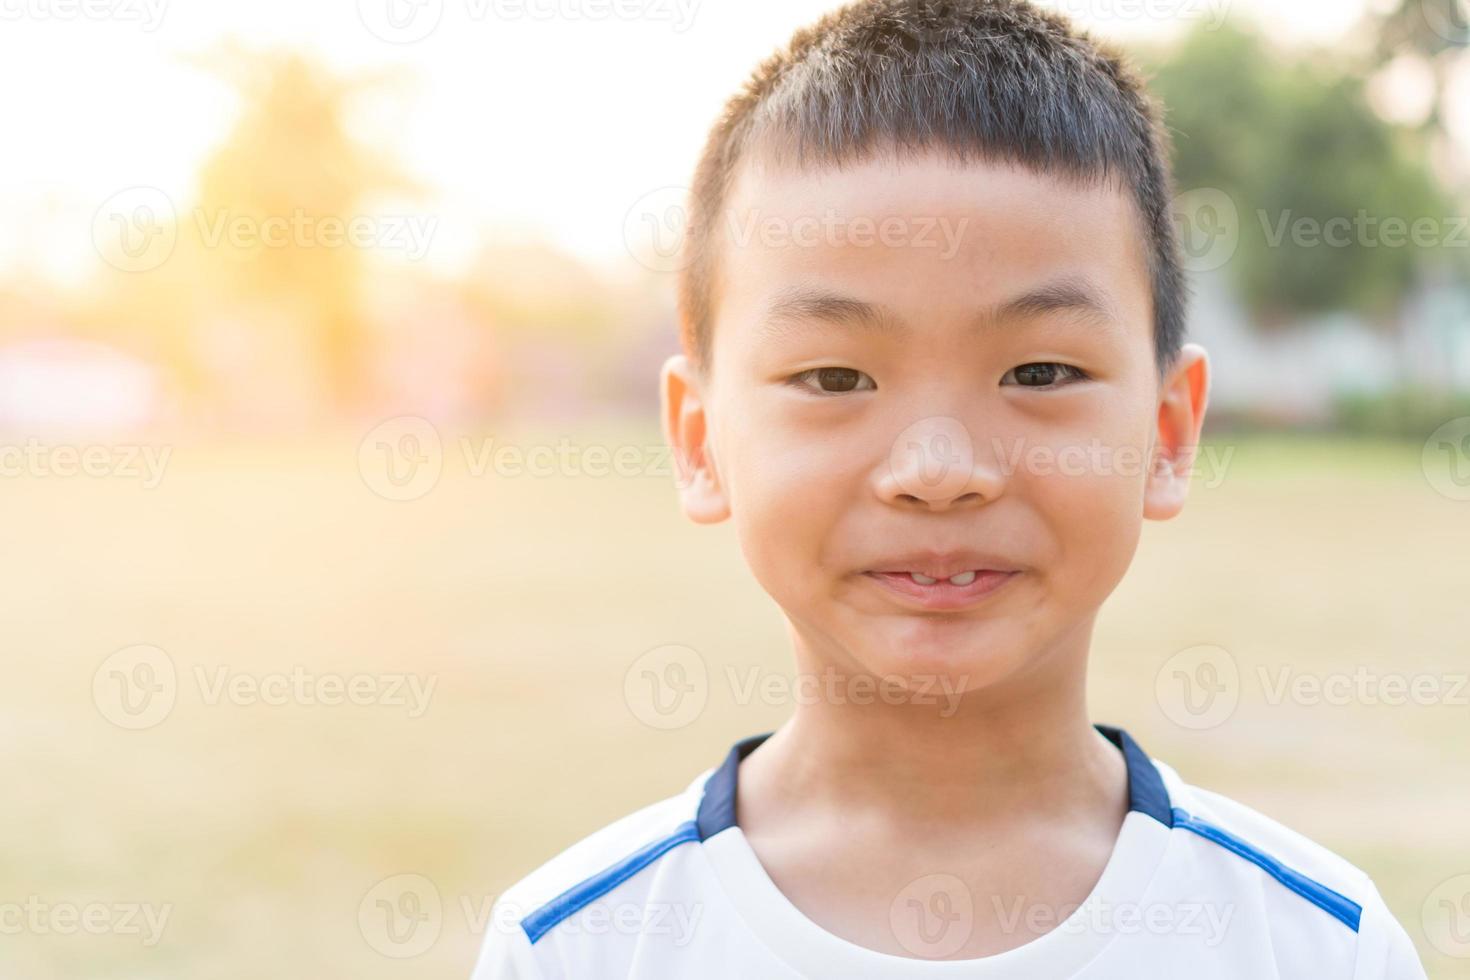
(942, 436)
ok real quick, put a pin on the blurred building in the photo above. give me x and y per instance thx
(1298, 374)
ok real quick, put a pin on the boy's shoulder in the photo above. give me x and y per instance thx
(601, 861)
(1309, 907)
(1237, 829)
(1318, 885)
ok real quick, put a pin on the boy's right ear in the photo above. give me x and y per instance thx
(686, 428)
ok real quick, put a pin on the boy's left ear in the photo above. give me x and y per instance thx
(1183, 397)
(686, 426)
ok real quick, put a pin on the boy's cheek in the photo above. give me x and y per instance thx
(786, 518)
(1096, 520)
(784, 554)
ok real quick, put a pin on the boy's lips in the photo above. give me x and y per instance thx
(942, 579)
(942, 564)
(942, 594)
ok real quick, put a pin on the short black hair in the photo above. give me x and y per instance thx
(992, 80)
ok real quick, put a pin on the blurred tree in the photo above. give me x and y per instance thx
(291, 158)
(1434, 32)
(1295, 145)
(269, 246)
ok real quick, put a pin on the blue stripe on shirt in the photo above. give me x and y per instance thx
(579, 896)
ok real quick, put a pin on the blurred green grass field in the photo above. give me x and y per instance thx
(265, 829)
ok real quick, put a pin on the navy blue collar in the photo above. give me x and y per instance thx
(1146, 792)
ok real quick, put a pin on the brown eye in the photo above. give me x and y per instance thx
(1042, 374)
(1036, 374)
(838, 379)
(832, 380)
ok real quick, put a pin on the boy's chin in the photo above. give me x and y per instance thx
(919, 656)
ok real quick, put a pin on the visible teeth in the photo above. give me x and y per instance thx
(963, 578)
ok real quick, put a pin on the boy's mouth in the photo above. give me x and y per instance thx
(942, 580)
(954, 592)
(963, 578)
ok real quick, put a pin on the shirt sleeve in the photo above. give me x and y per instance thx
(506, 954)
(1403, 959)
(1385, 951)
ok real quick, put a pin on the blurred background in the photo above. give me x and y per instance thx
(328, 347)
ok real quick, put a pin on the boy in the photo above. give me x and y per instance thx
(930, 261)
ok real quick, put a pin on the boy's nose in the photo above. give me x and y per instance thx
(933, 463)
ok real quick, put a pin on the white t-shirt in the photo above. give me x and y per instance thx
(1197, 887)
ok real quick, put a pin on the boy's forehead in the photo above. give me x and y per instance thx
(929, 232)
(885, 185)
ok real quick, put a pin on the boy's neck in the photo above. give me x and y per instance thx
(1026, 746)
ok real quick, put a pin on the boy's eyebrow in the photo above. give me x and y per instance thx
(806, 303)
(1072, 294)
(1069, 294)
